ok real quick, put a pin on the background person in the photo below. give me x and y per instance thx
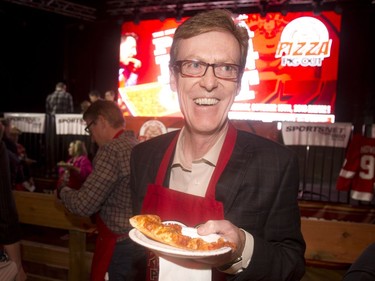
(129, 64)
(10, 232)
(106, 192)
(77, 168)
(18, 161)
(84, 105)
(60, 101)
(94, 96)
(24, 176)
(110, 95)
(236, 184)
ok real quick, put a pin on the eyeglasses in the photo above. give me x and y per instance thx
(87, 129)
(193, 68)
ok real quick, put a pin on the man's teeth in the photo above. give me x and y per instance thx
(206, 101)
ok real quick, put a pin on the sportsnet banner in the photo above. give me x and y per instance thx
(28, 122)
(70, 124)
(317, 134)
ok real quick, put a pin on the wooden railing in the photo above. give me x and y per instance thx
(44, 210)
(335, 242)
(336, 235)
(328, 241)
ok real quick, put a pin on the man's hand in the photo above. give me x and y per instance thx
(229, 232)
(136, 62)
(223, 228)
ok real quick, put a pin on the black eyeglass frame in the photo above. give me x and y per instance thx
(87, 128)
(177, 66)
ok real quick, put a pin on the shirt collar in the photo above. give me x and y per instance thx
(211, 157)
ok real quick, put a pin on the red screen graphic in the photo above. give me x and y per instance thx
(291, 70)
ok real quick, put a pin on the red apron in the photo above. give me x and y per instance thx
(104, 247)
(189, 209)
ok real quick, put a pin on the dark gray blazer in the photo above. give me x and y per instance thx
(258, 189)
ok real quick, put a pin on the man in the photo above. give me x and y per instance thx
(230, 182)
(94, 96)
(110, 95)
(60, 101)
(106, 191)
(129, 64)
(10, 232)
(18, 160)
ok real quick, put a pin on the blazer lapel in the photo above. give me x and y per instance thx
(233, 175)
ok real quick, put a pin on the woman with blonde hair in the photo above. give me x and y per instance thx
(77, 168)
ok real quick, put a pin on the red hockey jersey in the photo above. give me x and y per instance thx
(358, 171)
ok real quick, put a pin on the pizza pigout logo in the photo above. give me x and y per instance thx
(304, 42)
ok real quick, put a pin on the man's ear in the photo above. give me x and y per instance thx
(101, 121)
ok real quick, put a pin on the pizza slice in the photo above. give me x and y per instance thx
(171, 234)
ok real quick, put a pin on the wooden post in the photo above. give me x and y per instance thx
(77, 250)
(44, 210)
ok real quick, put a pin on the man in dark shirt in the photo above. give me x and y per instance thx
(60, 101)
(10, 232)
(106, 192)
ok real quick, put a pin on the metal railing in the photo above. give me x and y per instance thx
(319, 166)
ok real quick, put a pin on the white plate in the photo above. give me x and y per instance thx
(143, 240)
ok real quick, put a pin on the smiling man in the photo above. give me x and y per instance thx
(229, 182)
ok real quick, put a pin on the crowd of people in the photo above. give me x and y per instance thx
(61, 101)
(208, 174)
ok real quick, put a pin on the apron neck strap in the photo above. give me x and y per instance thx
(165, 162)
(118, 133)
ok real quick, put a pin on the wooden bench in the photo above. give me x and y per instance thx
(336, 234)
(44, 210)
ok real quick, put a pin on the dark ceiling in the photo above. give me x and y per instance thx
(92, 10)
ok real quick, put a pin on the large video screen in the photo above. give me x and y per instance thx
(291, 71)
